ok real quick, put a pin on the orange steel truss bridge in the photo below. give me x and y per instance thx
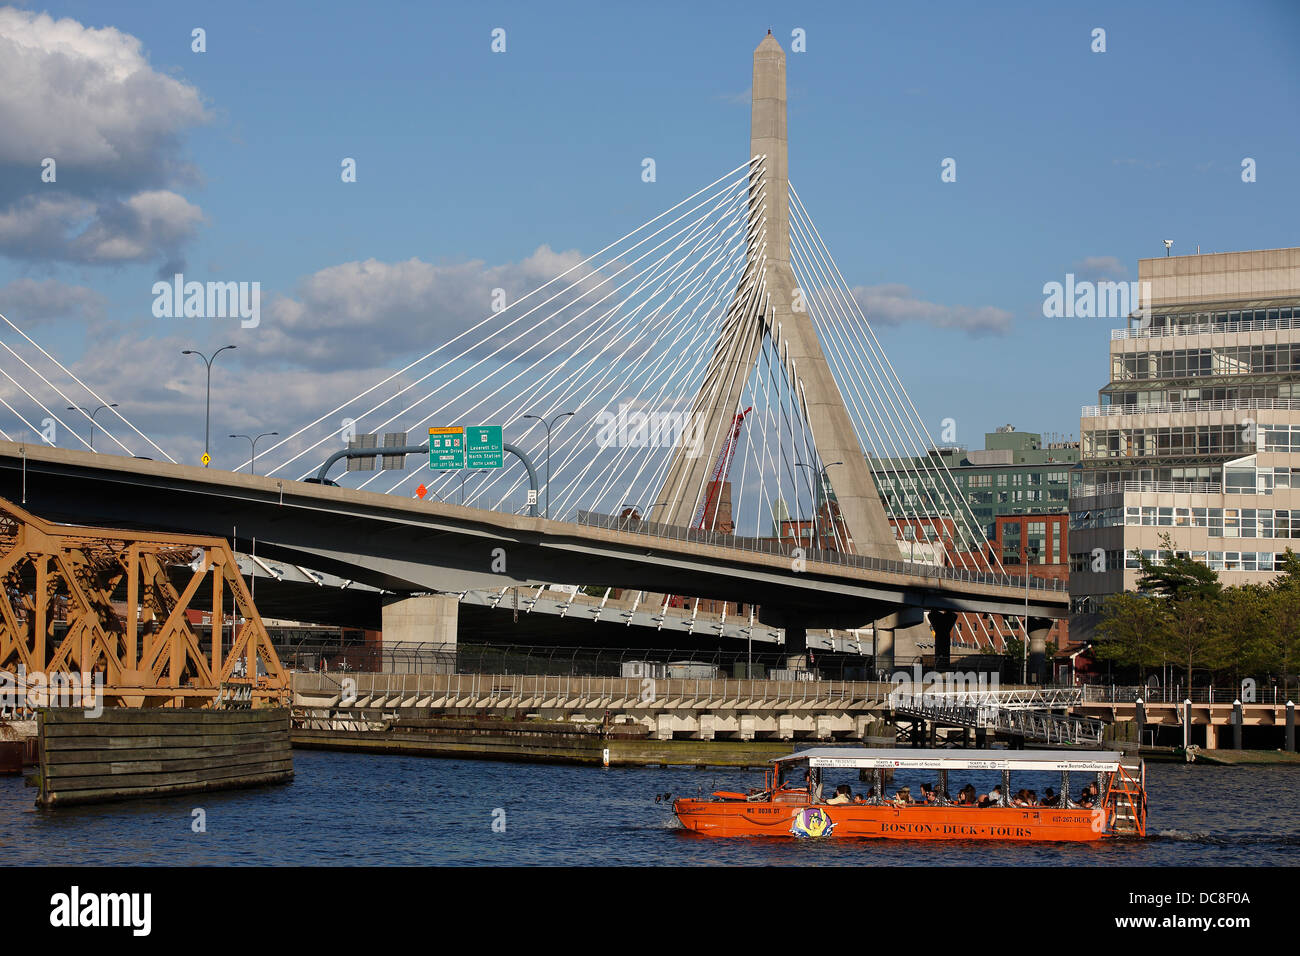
(82, 605)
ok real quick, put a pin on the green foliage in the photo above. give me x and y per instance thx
(1182, 615)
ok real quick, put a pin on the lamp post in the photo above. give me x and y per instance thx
(463, 472)
(252, 461)
(549, 425)
(816, 535)
(78, 408)
(207, 415)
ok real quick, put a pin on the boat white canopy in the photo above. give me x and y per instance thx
(960, 759)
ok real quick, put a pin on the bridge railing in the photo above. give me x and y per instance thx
(773, 546)
(1264, 691)
(659, 662)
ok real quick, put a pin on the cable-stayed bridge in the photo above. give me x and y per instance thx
(733, 411)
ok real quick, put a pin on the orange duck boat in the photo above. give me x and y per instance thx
(793, 801)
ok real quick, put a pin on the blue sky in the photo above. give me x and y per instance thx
(1067, 161)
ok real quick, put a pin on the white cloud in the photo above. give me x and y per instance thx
(894, 304)
(88, 99)
(29, 301)
(373, 311)
(1100, 267)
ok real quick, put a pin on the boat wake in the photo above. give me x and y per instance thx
(1236, 839)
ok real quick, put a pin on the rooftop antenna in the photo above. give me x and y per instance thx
(1169, 244)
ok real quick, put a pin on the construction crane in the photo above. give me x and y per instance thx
(720, 472)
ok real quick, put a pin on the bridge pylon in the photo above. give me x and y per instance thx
(768, 303)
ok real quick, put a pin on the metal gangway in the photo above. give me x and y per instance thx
(1030, 713)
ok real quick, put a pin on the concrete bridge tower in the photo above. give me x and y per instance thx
(750, 317)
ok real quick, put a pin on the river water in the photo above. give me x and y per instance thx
(350, 809)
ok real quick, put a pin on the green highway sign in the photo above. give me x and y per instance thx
(447, 448)
(484, 446)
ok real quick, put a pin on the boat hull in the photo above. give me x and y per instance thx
(1035, 824)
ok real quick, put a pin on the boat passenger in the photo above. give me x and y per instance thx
(993, 798)
(966, 795)
(927, 794)
(1050, 798)
(1033, 798)
(904, 797)
(843, 794)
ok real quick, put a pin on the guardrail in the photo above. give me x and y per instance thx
(389, 691)
(1265, 693)
(656, 529)
(1040, 725)
(1247, 325)
(422, 658)
(1160, 487)
(1226, 405)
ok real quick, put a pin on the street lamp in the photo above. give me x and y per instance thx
(548, 452)
(816, 535)
(462, 472)
(252, 461)
(207, 415)
(78, 408)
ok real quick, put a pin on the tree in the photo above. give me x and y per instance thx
(1243, 636)
(1135, 632)
(1284, 614)
(1176, 578)
(1188, 593)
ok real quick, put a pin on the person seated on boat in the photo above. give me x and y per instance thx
(859, 798)
(1049, 798)
(966, 796)
(1089, 796)
(928, 795)
(843, 794)
(903, 798)
(1022, 798)
(1033, 799)
(993, 798)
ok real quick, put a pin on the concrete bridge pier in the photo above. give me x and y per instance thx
(886, 633)
(1038, 629)
(941, 622)
(420, 619)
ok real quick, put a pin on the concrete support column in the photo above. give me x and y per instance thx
(663, 727)
(785, 726)
(706, 725)
(422, 619)
(796, 640)
(861, 724)
(884, 649)
(1038, 628)
(942, 623)
(746, 726)
(1290, 726)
